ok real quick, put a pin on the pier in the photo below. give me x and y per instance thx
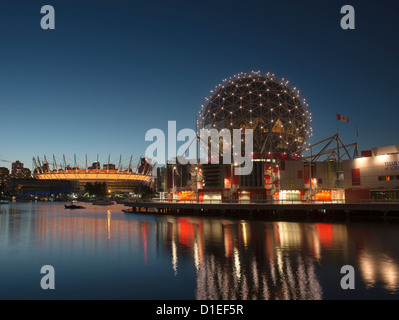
(266, 210)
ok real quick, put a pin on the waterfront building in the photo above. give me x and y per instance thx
(161, 179)
(286, 168)
(4, 181)
(374, 175)
(55, 189)
(18, 171)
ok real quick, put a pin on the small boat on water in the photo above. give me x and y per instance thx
(73, 206)
(3, 202)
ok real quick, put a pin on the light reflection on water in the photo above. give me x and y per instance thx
(103, 253)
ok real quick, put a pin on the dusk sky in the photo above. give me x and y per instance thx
(112, 70)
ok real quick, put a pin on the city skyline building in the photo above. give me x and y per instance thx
(18, 171)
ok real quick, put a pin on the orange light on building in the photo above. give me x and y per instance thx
(323, 195)
(186, 195)
(93, 175)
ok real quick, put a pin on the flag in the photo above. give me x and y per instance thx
(342, 118)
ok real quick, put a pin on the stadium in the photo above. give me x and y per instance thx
(117, 179)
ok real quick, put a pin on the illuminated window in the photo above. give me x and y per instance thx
(387, 178)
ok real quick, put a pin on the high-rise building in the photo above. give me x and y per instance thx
(18, 171)
(161, 183)
(4, 181)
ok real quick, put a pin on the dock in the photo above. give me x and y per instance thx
(265, 210)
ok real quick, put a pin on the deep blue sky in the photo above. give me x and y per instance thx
(111, 70)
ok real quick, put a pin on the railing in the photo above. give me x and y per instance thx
(270, 202)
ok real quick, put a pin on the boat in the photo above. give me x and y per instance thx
(73, 206)
(3, 202)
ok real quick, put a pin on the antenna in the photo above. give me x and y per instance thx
(35, 163)
(45, 159)
(65, 166)
(55, 164)
(130, 167)
(119, 166)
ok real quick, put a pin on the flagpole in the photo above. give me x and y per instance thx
(337, 140)
(196, 155)
(357, 142)
(338, 157)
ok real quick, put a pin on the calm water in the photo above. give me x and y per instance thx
(103, 253)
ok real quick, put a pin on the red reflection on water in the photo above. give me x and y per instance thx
(228, 242)
(276, 233)
(325, 233)
(186, 231)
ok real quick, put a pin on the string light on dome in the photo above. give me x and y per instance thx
(289, 110)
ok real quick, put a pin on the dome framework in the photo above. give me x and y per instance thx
(275, 111)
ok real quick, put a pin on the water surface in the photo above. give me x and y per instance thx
(104, 253)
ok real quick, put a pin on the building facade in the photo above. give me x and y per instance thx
(18, 171)
(374, 175)
(5, 187)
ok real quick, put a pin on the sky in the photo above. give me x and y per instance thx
(112, 70)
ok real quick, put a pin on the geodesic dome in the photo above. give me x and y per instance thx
(262, 102)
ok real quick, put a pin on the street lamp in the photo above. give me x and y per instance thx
(173, 180)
